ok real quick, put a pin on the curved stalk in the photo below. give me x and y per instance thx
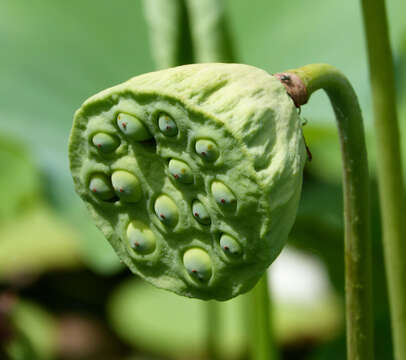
(301, 83)
(390, 175)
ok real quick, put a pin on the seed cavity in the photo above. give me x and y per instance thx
(126, 186)
(167, 125)
(200, 212)
(166, 210)
(207, 150)
(222, 194)
(180, 171)
(230, 245)
(140, 238)
(105, 143)
(198, 264)
(101, 187)
(132, 127)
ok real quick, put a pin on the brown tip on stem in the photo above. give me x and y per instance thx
(294, 86)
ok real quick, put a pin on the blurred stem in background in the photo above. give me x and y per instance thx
(169, 31)
(390, 175)
(301, 83)
(263, 342)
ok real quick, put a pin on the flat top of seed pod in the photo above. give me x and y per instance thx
(237, 152)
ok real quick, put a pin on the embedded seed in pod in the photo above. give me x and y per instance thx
(207, 150)
(244, 132)
(100, 186)
(166, 210)
(167, 125)
(126, 186)
(132, 127)
(105, 143)
(230, 245)
(140, 238)
(200, 212)
(180, 171)
(198, 264)
(222, 194)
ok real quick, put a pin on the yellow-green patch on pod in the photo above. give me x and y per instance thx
(240, 138)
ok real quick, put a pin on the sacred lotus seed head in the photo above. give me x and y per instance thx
(105, 143)
(257, 134)
(207, 150)
(126, 186)
(200, 212)
(222, 194)
(132, 127)
(180, 171)
(100, 186)
(167, 126)
(140, 238)
(198, 264)
(230, 245)
(166, 210)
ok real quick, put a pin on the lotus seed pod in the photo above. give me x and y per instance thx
(167, 126)
(230, 245)
(105, 143)
(207, 150)
(198, 264)
(140, 238)
(126, 186)
(180, 171)
(100, 186)
(251, 176)
(166, 210)
(200, 212)
(132, 127)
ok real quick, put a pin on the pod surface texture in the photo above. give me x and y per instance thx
(197, 153)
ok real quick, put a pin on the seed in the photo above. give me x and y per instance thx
(167, 125)
(200, 212)
(222, 194)
(126, 186)
(100, 186)
(207, 150)
(140, 238)
(166, 210)
(230, 245)
(198, 264)
(105, 143)
(180, 171)
(132, 127)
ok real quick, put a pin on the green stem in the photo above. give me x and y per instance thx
(209, 31)
(263, 344)
(356, 198)
(169, 32)
(390, 175)
(212, 329)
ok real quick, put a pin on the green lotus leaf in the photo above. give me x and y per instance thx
(240, 138)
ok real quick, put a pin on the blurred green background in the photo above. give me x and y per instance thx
(63, 293)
